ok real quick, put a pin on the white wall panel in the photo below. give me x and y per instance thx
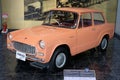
(117, 30)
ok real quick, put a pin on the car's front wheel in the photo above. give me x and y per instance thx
(59, 59)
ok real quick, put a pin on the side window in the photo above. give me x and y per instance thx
(85, 20)
(98, 18)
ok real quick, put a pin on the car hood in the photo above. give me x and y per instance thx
(35, 34)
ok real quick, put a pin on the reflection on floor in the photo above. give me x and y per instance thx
(105, 64)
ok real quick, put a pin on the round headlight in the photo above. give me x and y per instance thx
(9, 36)
(42, 44)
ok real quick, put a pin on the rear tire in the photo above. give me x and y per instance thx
(104, 44)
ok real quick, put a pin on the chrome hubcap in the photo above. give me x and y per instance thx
(104, 43)
(60, 60)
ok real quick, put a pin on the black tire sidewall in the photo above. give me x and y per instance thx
(100, 46)
(52, 66)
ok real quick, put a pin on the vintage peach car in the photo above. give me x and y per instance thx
(64, 33)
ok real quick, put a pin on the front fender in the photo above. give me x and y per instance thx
(50, 51)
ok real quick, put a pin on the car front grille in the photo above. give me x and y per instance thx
(24, 47)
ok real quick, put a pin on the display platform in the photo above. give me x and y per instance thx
(106, 65)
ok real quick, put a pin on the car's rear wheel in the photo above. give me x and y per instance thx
(59, 59)
(103, 45)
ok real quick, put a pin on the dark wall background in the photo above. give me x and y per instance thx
(0, 16)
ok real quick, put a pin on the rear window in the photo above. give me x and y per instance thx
(98, 18)
(85, 20)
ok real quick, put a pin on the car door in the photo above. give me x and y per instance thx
(85, 32)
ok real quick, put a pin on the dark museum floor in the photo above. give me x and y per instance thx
(106, 65)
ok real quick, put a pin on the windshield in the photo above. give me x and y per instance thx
(63, 19)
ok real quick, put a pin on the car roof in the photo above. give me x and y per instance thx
(77, 10)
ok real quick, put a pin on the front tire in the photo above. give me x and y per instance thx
(59, 59)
